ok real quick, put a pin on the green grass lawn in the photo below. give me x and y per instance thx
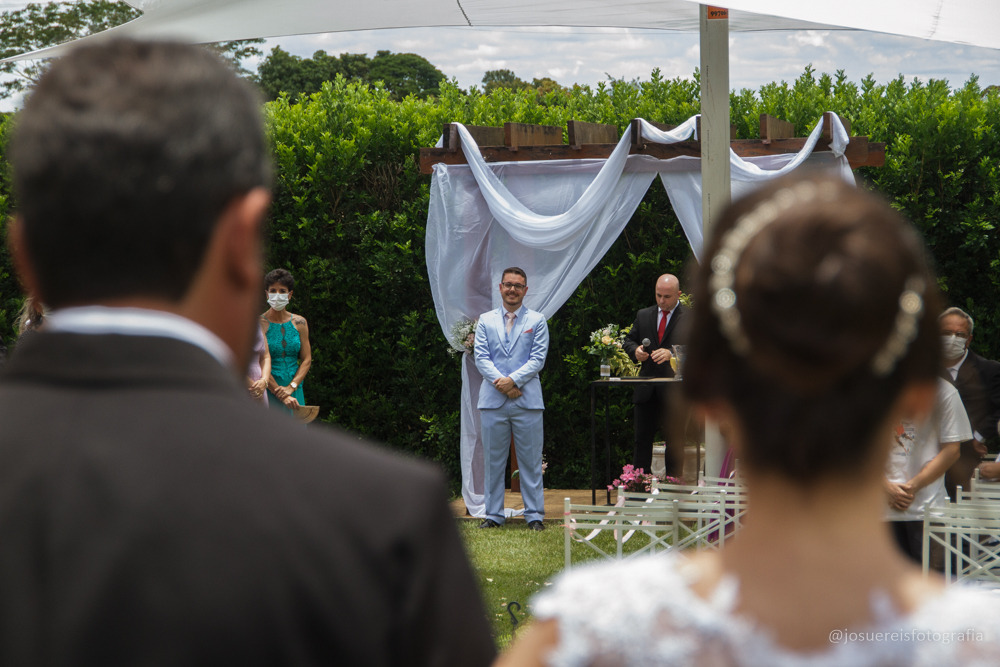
(513, 563)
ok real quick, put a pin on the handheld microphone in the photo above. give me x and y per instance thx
(645, 345)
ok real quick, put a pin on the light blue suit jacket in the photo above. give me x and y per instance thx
(520, 360)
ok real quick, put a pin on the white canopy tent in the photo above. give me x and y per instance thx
(973, 22)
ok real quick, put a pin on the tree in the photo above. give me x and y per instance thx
(282, 72)
(38, 26)
(502, 78)
(402, 73)
(546, 85)
(405, 74)
(236, 52)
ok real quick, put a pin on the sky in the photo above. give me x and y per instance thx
(588, 56)
(591, 55)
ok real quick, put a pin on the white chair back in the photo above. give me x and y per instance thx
(673, 516)
(965, 531)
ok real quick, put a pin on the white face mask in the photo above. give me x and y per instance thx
(952, 347)
(277, 301)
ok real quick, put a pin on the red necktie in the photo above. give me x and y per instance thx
(663, 325)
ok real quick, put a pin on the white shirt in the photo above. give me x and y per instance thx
(953, 369)
(916, 445)
(102, 320)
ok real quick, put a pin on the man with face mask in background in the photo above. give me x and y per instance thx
(978, 382)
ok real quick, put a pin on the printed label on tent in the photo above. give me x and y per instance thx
(717, 13)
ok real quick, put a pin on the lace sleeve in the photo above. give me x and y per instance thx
(633, 613)
(643, 612)
(962, 628)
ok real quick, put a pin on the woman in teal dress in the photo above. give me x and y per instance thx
(287, 337)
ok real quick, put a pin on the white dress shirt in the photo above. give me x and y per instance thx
(102, 320)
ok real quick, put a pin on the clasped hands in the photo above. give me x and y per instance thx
(900, 495)
(659, 355)
(257, 387)
(284, 395)
(506, 386)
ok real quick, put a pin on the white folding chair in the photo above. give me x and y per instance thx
(978, 481)
(735, 480)
(711, 513)
(979, 494)
(585, 524)
(731, 493)
(962, 531)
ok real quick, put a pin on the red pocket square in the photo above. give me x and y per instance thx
(530, 331)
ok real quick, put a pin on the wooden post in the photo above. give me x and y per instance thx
(772, 128)
(828, 125)
(524, 134)
(581, 133)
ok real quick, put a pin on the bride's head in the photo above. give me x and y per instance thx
(815, 307)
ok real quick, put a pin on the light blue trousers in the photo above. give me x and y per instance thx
(526, 425)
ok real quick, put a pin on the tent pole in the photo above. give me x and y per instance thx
(715, 137)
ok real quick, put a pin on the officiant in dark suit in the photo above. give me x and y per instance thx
(150, 512)
(659, 325)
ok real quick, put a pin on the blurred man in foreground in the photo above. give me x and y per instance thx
(149, 512)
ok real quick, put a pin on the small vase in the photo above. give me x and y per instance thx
(605, 369)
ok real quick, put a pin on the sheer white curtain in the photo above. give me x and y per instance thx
(682, 176)
(556, 220)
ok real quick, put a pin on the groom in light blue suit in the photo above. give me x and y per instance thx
(511, 344)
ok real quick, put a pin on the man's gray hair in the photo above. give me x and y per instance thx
(961, 313)
(124, 157)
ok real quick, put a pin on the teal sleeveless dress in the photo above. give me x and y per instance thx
(284, 344)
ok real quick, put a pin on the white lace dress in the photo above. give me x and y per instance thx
(643, 612)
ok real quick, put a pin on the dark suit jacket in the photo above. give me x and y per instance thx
(645, 327)
(151, 514)
(978, 384)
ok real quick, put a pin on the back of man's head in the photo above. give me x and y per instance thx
(124, 157)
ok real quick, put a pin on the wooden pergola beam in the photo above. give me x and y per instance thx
(772, 128)
(523, 142)
(519, 135)
(581, 133)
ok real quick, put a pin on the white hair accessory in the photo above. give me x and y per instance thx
(734, 242)
(911, 306)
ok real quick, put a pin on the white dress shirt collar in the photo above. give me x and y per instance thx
(517, 313)
(102, 320)
(953, 369)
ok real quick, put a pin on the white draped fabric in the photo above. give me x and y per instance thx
(684, 185)
(556, 220)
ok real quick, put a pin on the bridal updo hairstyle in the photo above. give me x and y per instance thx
(834, 310)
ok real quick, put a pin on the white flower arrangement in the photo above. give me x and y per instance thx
(606, 343)
(463, 336)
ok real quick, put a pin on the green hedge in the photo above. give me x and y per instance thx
(350, 209)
